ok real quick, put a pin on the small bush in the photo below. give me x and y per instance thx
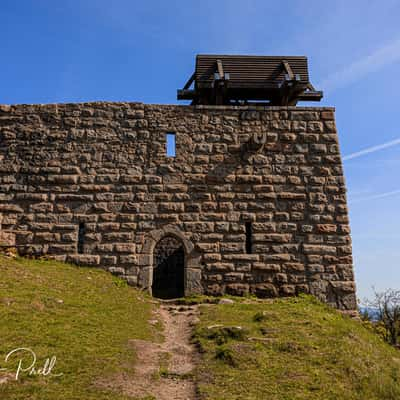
(260, 316)
(225, 354)
(118, 282)
(387, 306)
(222, 334)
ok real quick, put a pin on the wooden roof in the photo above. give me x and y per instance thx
(249, 70)
(226, 79)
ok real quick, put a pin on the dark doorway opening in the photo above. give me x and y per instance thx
(169, 269)
(249, 243)
(81, 237)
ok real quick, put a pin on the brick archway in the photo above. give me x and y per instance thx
(192, 270)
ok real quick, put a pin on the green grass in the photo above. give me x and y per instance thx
(286, 349)
(85, 317)
(292, 349)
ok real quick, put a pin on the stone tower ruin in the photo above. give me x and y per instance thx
(248, 196)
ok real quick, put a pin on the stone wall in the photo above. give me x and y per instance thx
(7, 239)
(104, 166)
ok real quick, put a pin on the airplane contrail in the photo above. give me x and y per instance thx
(375, 196)
(372, 149)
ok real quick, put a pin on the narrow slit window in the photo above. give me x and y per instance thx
(81, 237)
(249, 243)
(171, 145)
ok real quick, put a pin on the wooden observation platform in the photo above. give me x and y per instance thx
(241, 80)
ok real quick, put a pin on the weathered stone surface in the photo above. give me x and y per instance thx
(293, 267)
(266, 267)
(112, 186)
(326, 228)
(117, 270)
(292, 196)
(83, 259)
(265, 290)
(272, 237)
(7, 239)
(125, 247)
(288, 290)
(237, 289)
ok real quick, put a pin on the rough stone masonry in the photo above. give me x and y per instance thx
(256, 195)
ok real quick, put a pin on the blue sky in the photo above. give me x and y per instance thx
(82, 50)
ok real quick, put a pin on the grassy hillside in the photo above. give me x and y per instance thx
(292, 349)
(84, 317)
(286, 349)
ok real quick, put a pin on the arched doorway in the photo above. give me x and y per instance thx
(169, 268)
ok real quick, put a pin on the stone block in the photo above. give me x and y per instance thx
(348, 287)
(278, 257)
(108, 260)
(211, 257)
(202, 227)
(318, 249)
(288, 290)
(41, 197)
(214, 289)
(240, 257)
(315, 126)
(108, 226)
(63, 179)
(83, 259)
(208, 247)
(118, 236)
(117, 270)
(128, 259)
(237, 289)
(124, 247)
(293, 267)
(220, 267)
(47, 237)
(263, 267)
(231, 247)
(7, 238)
(265, 290)
(326, 228)
(215, 278)
(130, 179)
(10, 208)
(193, 281)
(132, 280)
(171, 207)
(272, 237)
(248, 179)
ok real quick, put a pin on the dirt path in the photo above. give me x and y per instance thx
(163, 370)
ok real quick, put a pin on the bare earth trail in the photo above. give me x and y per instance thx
(176, 356)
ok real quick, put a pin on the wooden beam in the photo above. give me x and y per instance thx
(220, 69)
(190, 81)
(186, 94)
(311, 96)
(288, 69)
(311, 87)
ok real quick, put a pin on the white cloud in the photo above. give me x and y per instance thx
(385, 55)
